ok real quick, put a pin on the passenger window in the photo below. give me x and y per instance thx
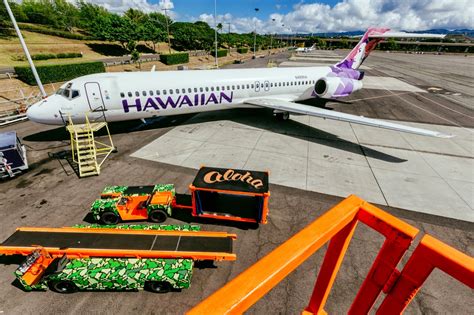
(195, 90)
(177, 91)
(183, 91)
(207, 89)
(122, 94)
(233, 87)
(223, 88)
(248, 86)
(189, 90)
(164, 92)
(252, 85)
(217, 88)
(151, 93)
(201, 89)
(271, 84)
(171, 91)
(212, 88)
(238, 87)
(144, 93)
(129, 94)
(137, 93)
(157, 92)
(228, 87)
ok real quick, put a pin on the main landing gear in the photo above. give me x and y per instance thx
(282, 116)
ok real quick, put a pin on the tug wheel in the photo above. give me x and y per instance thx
(63, 286)
(158, 286)
(157, 216)
(109, 218)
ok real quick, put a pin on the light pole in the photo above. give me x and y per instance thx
(271, 38)
(167, 29)
(215, 30)
(25, 49)
(255, 35)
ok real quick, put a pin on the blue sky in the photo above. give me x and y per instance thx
(308, 16)
(238, 8)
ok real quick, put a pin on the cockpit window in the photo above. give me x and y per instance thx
(68, 92)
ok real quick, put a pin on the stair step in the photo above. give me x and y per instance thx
(88, 168)
(86, 157)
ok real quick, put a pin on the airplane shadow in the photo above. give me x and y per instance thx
(257, 118)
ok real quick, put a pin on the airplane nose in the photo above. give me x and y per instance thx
(43, 113)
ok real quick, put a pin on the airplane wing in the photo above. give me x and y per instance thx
(291, 107)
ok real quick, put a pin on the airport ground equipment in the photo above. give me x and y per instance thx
(158, 258)
(12, 155)
(337, 226)
(88, 153)
(218, 193)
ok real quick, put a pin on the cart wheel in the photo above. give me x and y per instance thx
(63, 286)
(158, 286)
(157, 216)
(109, 218)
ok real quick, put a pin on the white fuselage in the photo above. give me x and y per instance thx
(141, 95)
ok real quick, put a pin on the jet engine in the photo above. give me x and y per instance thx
(334, 87)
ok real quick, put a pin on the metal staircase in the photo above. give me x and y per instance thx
(88, 153)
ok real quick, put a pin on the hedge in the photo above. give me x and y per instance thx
(49, 31)
(221, 53)
(58, 73)
(173, 59)
(48, 56)
(242, 50)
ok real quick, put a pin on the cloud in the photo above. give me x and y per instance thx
(120, 6)
(349, 15)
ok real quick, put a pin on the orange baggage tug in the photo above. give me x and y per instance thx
(218, 193)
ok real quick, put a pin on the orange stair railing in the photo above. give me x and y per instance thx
(337, 226)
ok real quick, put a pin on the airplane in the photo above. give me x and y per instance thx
(306, 49)
(121, 96)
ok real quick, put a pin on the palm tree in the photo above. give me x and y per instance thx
(219, 27)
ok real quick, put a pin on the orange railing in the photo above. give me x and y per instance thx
(337, 226)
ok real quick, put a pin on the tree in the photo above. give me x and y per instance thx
(135, 57)
(392, 44)
(154, 28)
(187, 36)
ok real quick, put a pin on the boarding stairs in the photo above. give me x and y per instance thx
(337, 227)
(87, 152)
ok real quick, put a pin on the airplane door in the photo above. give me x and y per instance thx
(257, 86)
(266, 85)
(94, 95)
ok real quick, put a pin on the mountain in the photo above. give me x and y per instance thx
(467, 32)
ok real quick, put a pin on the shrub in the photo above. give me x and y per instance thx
(173, 59)
(43, 56)
(69, 55)
(49, 31)
(58, 73)
(242, 50)
(221, 53)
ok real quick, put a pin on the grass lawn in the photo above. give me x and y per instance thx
(39, 44)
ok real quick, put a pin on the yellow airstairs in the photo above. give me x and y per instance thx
(88, 153)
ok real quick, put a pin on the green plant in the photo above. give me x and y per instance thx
(53, 32)
(43, 56)
(242, 50)
(221, 53)
(69, 55)
(173, 59)
(58, 73)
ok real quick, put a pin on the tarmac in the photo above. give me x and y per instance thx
(426, 182)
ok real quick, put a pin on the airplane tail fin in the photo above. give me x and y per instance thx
(370, 39)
